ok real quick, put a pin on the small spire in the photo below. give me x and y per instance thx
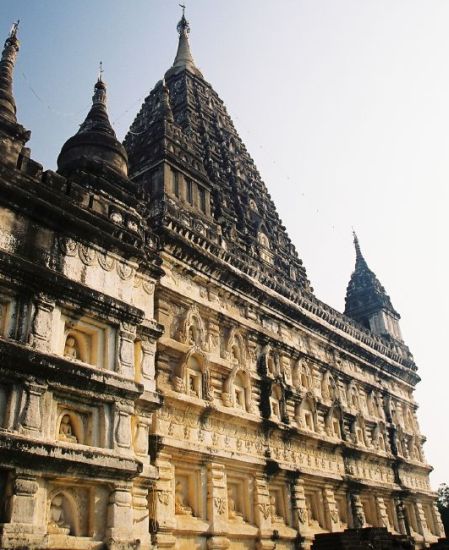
(184, 59)
(7, 62)
(358, 252)
(165, 108)
(100, 72)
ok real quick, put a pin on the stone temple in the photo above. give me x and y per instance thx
(168, 379)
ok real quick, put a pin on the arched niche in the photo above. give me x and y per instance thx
(236, 348)
(193, 332)
(334, 422)
(192, 376)
(77, 346)
(70, 427)
(306, 414)
(63, 514)
(358, 431)
(277, 402)
(237, 390)
(353, 396)
(328, 387)
(379, 437)
(302, 376)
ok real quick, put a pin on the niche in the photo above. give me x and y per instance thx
(236, 501)
(278, 508)
(88, 341)
(71, 427)
(63, 515)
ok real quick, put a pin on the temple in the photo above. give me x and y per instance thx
(168, 378)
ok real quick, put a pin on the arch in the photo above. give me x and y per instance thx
(63, 513)
(353, 396)
(237, 389)
(306, 414)
(328, 387)
(192, 376)
(358, 431)
(236, 348)
(193, 330)
(334, 422)
(379, 437)
(70, 427)
(302, 376)
(276, 402)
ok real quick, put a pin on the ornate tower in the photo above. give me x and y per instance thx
(368, 303)
(78, 266)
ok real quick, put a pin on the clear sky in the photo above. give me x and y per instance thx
(343, 104)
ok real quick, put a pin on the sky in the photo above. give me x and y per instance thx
(343, 105)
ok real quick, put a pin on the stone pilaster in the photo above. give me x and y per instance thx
(217, 501)
(147, 366)
(162, 513)
(421, 520)
(330, 509)
(122, 427)
(141, 528)
(262, 514)
(358, 515)
(41, 326)
(382, 514)
(404, 528)
(120, 517)
(141, 437)
(31, 416)
(127, 335)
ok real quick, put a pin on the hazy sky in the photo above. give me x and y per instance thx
(343, 104)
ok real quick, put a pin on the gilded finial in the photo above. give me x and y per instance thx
(14, 29)
(183, 26)
(100, 72)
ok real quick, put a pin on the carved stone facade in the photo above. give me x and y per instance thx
(168, 378)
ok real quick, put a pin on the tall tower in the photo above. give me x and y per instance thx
(78, 267)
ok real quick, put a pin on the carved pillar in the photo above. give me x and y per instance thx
(120, 516)
(122, 427)
(147, 365)
(41, 326)
(299, 506)
(437, 520)
(23, 503)
(330, 509)
(421, 520)
(217, 501)
(141, 520)
(162, 515)
(127, 335)
(382, 514)
(141, 436)
(262, 514)
(358, 515)
(31, 417)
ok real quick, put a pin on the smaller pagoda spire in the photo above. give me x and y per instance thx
(367, 301)
(7, 62)
(95, 143)
(165, 107)
(184, 58)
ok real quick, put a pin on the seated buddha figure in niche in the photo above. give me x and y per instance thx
(66, 430)
(181, 507)
(57, 522)
(71, 348)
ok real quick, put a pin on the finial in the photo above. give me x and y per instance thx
(183, 26)
(100, 72)
(358, 252)
(14, 28)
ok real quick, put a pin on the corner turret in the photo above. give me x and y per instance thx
(94, 148)
(13, 136)
(367, 301)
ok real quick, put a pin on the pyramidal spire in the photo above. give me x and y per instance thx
(95, 143)
(367, 301)
(7, 62)
(183, 59)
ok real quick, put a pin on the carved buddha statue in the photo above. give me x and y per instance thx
(66, 431)
(275, 518)
(180, 506)
(57, 522)
(233, 513)
(71, 348)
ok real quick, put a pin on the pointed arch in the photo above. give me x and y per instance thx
(328, 387)
(71, 513)
(334, 422)
(237, 389)
(193, 330)
(306, 413)
(192, 376)
(236, 348)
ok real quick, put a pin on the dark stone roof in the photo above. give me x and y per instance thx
(187, 124)
(95, 146)
(365, 295)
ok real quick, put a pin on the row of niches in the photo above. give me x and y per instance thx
(193, 377)
(64, 419)
(302, 375)
(319, 509)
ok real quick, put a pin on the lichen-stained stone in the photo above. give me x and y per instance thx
(168, 379)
